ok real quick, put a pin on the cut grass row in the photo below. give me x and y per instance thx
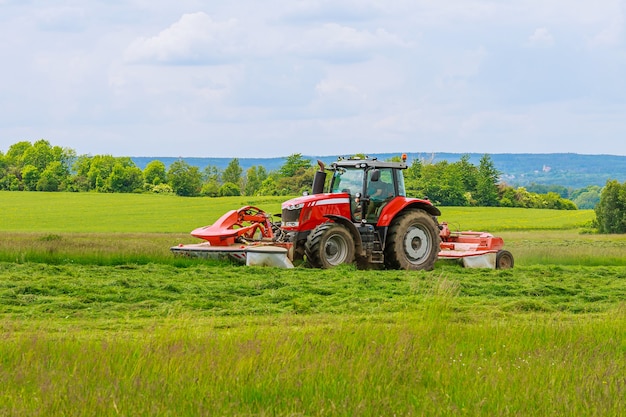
(88, 292)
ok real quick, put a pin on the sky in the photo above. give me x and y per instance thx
(250, 78)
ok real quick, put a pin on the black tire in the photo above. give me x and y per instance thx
(412, 242)
(504, 259)
(329, 245)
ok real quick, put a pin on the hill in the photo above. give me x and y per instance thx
(566, 169)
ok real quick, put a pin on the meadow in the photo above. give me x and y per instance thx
(98, 318)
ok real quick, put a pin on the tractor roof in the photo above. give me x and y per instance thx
(367, 162)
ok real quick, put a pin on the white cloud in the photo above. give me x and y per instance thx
(194, 39)
(541, 37)
(611, 34)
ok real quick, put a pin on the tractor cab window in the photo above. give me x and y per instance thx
(380, 184)
(347, 181)
(400, 182)
(380, 190)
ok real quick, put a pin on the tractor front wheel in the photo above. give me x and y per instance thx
(412, 241)
(329, 245)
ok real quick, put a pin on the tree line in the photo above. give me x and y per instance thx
(40, 166)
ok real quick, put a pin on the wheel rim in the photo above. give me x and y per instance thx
(416, 244)
(336, 250)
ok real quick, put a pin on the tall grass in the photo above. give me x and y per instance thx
(323, 366)
(565, 247)
(92, 248)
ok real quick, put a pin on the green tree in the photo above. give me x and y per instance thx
(442, 182)
(211, 176)
(185, 180)
(15, 154)
(79, 181)
(468, 172)
(294, 176)
(27, 162)
(254, 179)
(611, 210)
(99, 170)
(3, 168)
(210, 189)
(268, 187)
(487, 183)
(293, 164)
(54, 177)
(412, 177)
(30, 176)
(154, 173)
(299, 182)
(125, 178)
(586, 198)
(228, 189)
(212, 173)
(554, 201)
(40, 154)
(232, 173)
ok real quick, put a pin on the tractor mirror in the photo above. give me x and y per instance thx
(375, 175)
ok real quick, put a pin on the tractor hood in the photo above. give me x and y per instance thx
(306, 212)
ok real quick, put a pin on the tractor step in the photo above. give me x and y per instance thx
(378, 257)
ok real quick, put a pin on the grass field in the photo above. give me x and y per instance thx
(97, 318)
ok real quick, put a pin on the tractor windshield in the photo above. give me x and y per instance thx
(347, 181)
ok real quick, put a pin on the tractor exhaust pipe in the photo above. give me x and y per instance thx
(319, 179)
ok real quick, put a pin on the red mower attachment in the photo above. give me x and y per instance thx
(247, 223)
(475, 249)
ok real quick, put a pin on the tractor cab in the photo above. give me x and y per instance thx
(371, 184)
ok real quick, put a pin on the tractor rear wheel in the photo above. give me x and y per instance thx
(329, 245)
(412, 241)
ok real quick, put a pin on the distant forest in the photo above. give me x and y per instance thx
(553, 181)
(568, 170)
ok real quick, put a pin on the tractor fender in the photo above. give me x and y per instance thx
(401, 204)
(347, 223)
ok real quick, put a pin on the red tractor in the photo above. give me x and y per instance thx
(365, 216)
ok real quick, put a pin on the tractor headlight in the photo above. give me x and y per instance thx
(295, 206)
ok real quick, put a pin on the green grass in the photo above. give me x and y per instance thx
(116, 213)
(498, 219)
(98, 318)
(151, 213)
(406, 364)
(86, 292)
